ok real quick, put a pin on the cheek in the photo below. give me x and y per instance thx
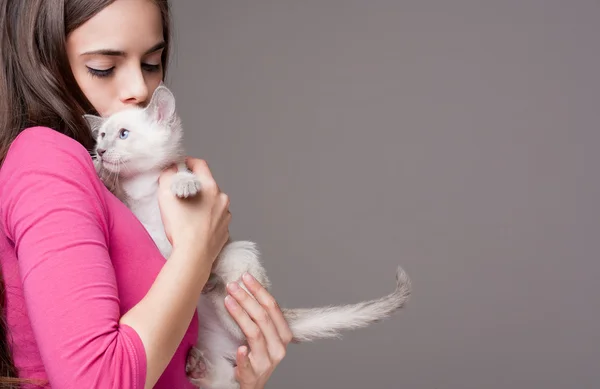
(98, 95)
(95, 90)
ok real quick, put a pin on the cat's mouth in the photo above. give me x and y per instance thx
(112, 165)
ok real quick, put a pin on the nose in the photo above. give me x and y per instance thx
(100, 151)
(133, 88)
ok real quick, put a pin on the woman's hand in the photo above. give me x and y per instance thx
(198, 225)
(266, 329)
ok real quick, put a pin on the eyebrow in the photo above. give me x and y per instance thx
(119, 53)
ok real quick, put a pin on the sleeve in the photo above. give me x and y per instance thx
(52, 208)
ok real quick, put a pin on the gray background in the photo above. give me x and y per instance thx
(455, 138)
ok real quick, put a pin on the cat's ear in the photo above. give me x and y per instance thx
(162, 104)
(95, 122)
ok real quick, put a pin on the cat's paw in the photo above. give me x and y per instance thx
(195, 366)
(185, 184)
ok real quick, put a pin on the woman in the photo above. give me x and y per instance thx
(88, 302)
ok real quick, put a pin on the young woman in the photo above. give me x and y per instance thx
(87, 300)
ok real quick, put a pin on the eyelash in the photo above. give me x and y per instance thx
(107, 72)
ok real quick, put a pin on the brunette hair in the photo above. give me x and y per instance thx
(37, 88)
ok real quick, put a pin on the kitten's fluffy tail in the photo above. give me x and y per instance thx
(309, 324)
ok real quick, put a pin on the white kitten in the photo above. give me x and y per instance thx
(133, 147)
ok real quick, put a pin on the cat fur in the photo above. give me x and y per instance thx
(133, 147)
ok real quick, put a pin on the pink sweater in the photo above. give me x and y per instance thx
(74, 260)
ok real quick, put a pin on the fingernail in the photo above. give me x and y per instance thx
(233, 287)
(247, 277)
(230, 301)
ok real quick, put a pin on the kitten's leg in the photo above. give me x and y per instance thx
(238, 257)
(203, 373)
(185, 183)
(213, 281)
(195, 366)
(235, 259)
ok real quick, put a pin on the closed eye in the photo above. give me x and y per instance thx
(103, 73)
(150, 67)
(100, 72)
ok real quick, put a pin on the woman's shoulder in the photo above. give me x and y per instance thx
(45, 171)
(52, 162)
(54, 143)
(45, 149)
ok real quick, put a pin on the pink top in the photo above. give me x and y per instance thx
(74, 260)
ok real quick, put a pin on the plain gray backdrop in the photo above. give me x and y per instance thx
(457, 139)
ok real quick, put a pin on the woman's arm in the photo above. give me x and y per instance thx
(52, 209)
(162, 317)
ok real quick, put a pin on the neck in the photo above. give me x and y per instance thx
(141, 185)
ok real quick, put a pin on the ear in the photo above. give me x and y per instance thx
(162, 104)
(95, 122)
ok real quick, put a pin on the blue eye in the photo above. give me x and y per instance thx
(124, 133)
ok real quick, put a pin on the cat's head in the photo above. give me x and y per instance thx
(138, 140)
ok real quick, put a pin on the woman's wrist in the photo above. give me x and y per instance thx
(197, 258)
(192, 250)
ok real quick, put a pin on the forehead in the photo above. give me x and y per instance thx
(132, 26)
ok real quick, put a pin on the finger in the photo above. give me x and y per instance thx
(262, 318)
(224, 197)
(198, 166)
(225, 218)
(270, 305)
(252, 331)
(243, 369)
(242, 360)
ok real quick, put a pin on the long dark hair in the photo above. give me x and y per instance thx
(37, 87)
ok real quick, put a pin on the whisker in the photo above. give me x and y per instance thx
(121, 163)
(113, 177)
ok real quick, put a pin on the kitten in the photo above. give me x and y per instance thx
(133, 147)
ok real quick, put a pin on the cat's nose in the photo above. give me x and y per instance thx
(100, 151)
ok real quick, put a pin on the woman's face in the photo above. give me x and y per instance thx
(116, 55)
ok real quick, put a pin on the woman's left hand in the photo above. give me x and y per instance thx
(266, 330)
